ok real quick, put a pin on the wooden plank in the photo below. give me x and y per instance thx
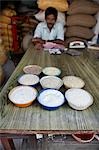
(34, 119)
(7, 144)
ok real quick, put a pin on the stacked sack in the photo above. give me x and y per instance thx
(60, 5)
(6, 27)
(1, 75)
(81, 20)
(3, 60)
(29, 24)
(27, 29)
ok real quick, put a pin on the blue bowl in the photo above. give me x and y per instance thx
(51, 99)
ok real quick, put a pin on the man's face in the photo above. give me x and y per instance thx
(50, 19)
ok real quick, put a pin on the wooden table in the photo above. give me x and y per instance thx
(16, 121)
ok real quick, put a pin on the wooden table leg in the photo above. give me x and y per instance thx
(45, 142)
(7, 143)
(33, 142)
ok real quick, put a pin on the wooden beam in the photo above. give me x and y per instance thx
(7, 143)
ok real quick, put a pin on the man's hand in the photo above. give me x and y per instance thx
(57, 41)
(38, 40)
(38, 46)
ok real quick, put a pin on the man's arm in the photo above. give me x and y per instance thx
(37, 38)
(60, 35)
(57, 41)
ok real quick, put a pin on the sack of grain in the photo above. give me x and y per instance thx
(26, 25)
(3, 57)
(60, 5)
(33, 21)
(78, 31)
(5, 19)
(8, 48)
(81, 20)
(83, 6)
(41, 16)
(1, 75)
(4, 25)
(26, 41)
(6, 32)
(8, 12)
(8, 39)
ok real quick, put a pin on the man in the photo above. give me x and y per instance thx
(49, 31)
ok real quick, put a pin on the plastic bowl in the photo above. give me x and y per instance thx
(84, 137)
(32, 69)
(51, 99)
(78, 99)
(28, 79)
(22, 96)
(51, 71)
(73, 82)
(52, 82)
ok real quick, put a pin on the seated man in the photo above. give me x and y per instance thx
(49, 31)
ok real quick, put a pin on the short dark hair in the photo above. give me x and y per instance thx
(51, 11)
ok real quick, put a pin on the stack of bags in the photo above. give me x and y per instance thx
(29, 24)
(3, 60)
(6, 27)
(60, 5)
(81, 20)
(1, 75)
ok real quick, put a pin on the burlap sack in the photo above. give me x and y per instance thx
(83, 6)
(1, 75)
(78, 31)
(5, 26)
(5, 19)
(3, 58)
(8, 12)
(7, 39)
(3, 54)
(60, 5)
(81, 20)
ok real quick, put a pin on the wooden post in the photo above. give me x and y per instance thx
(8, 143)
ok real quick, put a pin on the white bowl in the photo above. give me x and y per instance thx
(78, 99)
(32, 69)
(51, 99)
(28, 79)
(22, 96)
(51, 82)
(51, 71)
(73, 82)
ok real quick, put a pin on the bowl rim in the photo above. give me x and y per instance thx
(23, 86)
(73, 105)
(55, 77)
(50, 106)
(76, 77)
(43, 70)
(75, 136)
(27, 75)
(32, 65)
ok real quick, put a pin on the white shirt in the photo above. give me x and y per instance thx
(43, 32)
